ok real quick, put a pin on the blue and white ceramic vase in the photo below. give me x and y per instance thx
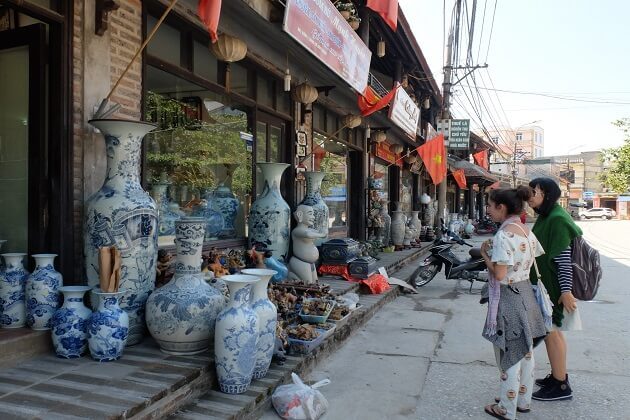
(12, 283)
(69, 323)
(107, 327)
(214, 219)
(267, 320)
(168, 212)
(222, 199)
(42, 292)
(270, 216)
(181, 315)
(235, 336)
(121, 213)
(314, 199)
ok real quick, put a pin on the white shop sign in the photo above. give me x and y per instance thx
(405, 113)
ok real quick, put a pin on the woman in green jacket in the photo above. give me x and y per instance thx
(555, 230)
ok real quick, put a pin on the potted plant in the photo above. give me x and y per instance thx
(346, 9)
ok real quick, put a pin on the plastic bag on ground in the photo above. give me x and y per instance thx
(298, 401)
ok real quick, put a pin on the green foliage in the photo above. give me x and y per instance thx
(617, 177)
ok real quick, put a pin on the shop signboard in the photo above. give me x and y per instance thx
(443, 126)
(405, 113)
(587, 195)
(319, 27)
(383, 152)
(459, 134)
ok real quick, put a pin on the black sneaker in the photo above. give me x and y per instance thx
(547, 380)
(556, 391)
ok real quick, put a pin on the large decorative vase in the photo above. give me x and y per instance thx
(267, 320)
(108, 327)
(181, 315)
(42, 292)
(214, 219)
(12, 282)
(415, 223)
(168, 212)
(385, 234)
(314, 199)
(69, 323)
(223, 201)
(121, 213)
(398, 228)
(270, 216)
(235, 336)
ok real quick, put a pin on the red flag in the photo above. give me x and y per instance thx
(433, 154)
(209, 12)
(460, 178)
(388, 9)
(481, 158)
(369, 101)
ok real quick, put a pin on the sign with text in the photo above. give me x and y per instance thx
(383, 152)
(459, 134)
(319, 27)
(405, 113)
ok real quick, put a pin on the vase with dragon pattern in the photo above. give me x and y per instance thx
(314, 199)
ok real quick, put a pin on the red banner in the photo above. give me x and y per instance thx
(481, 159)
(388, 9)
(460, 178)
(433, 154)
(382, 151)
(209, 12)
(369, 101)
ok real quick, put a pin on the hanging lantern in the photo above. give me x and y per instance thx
(380, 49)
(351, 120)
(426, 104)
(287, 80)
(396, 148)
(229, 48)
(304, 93)
(379, 137)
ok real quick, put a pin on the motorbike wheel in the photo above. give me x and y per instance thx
(423, 275)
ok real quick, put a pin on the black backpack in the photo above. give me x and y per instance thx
(587, 271)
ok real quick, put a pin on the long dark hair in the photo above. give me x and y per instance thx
(511, 198)
(552, 193)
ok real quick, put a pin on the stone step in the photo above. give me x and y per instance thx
(18, 344)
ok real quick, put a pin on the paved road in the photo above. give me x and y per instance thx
(422, 356)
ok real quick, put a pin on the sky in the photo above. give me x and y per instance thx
(568, 48)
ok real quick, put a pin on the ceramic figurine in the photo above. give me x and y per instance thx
(305, 253)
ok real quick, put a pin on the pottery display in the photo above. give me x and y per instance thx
(267, 320)
(222, 199)
(398, 228)
(214, 219)
(168, 212)
(69, 323)
(107, 327)
(121, 213)
(385, 232)
(415, 223)
(235, 336)
(181, 315)
(42, 292)
(270, 216)
(313, 198)
(12, 284)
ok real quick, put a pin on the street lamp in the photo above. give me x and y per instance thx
(514, 169)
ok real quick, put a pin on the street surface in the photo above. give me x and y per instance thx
(423, 357)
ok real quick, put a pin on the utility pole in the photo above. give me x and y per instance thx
(514, 170)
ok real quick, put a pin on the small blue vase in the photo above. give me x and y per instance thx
(42, 292)
(12, 283)
(69, 323)
(108, 327)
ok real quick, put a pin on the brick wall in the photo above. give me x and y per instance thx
(77, 133)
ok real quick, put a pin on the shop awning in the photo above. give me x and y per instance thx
(474, 174)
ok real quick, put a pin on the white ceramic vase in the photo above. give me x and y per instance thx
(415, 223)
(385, 233)
(69, 323)
(314, 199)
(12, 283)
(398, 228)
(42, 292)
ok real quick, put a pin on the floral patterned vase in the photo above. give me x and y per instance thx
(69, 323)
(267, 320)
(168, 212)
(214, 219)
(121, 213)
(42, 292)
(314, 199)
(12, 282)
(235, 336)
(108, 327)
(181, 315)
(270, 216)
(222, 199)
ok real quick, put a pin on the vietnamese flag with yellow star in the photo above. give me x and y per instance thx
(433, 154)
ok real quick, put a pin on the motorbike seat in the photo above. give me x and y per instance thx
(475, 252)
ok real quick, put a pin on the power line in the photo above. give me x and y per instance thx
(564, 98)
(491, 29)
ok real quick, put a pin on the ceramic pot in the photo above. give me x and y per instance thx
(398, 228)
(12, 284)
(270, 216)
(235, 336)
(121, 213)
(415, 223)
(267, 320)
(108, 327)
(42, 292)
(385, 233)
(69, 323)
(314, 199)
(222, 199)
(181, 315)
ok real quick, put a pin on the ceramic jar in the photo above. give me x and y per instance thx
(222, 199)
(415, 223)
(398, 228)
(270, 216)
(12, 283)
(181, 315)
(69, 323)
(235, 336)
(121, 213)
(385, 233)
(267, 320)
(314, 199)
(107, 327)
(42, 292)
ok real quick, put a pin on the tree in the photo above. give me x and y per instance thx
(617, 177)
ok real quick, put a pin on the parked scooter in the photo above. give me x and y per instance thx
(441, 255)
(486, 226)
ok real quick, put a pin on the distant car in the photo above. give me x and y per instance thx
(598, 212)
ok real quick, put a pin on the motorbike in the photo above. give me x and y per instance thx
(473, 269)
(485, 226)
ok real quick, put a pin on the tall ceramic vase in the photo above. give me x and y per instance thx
(181, 315)
(12, 284)
(314, 199)
(69, 323)
(267, 320)
(415, 222)
(270, 216)
(121, 213)
(222, 199)
(235, 336)
(42, 292)
(398, 228)
(387, 225)
(108, 327)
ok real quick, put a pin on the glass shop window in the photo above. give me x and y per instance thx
(199, 160)
(205, 63)
(166, 43)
